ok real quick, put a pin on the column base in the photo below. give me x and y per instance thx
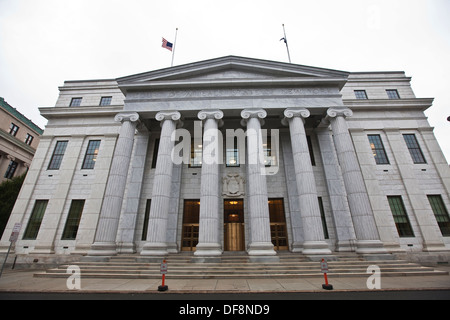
(154, 249)
(316, 248)
(103, 249)
(208, 249)
(370, 247)
(261, 249)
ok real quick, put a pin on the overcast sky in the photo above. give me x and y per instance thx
(45, 42)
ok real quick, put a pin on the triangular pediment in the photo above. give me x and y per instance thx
(228, 70)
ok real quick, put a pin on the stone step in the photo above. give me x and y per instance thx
(237, 266)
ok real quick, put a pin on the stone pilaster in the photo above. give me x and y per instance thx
(368, 240)
(209, 236)
(258, 207)
(105, 236)
(314, 240)
(156, 244)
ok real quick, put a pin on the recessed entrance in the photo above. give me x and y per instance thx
(278, 229)
(234, 232)
(190, 225)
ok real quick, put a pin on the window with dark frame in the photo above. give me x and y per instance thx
(322, 216)
(311, 151)
(13, 128)
(232, 154)
(414, 149)
(11, 169)
(379, 153)
(73, 220)
(34, 223)
(91, 154)
(400, 216)
(58, 154)
(393, 94)
(441, 214)
(75, 102)
(29, 139)
(105, 101)
(146, 218)
(361, 94)
(155, 153)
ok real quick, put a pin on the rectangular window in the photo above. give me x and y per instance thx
(378, 150)
(146, 217)
(322, 216)
(29, 139)
(270, 158)
(155, 153)
(58, 154)
(75, 102)
(441, 214)
(232, 154)
(35, 221)
(196, 154)
(414, 148)
(105, 101)
(361, 94)
(311, 151)
(73, 220)
(400, 216)
(91, 154)
(13, 129)
(393, 94)
(11, 169)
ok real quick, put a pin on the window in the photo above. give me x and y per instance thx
(311, 152)
(13, 129)
(91, 154)
(361, 94)
(378, 149)
(392, 94)
(146, 218)
(76, 102)
(29, 139)
(400, 217)
(414, 148)
(105, 101)
(73, 220)
(155, 153)
(34, 223)
(322, 216)
(270, 158)
(58, 154)
(11, 169)
(196, 154)
(441, 214)
(232, 154)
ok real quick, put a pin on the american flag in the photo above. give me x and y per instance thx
(166, 44)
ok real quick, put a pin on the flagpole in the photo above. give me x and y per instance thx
(174, 46)
(287, 47)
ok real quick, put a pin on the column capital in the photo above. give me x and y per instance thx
(210, 114)
(290, 113)
(168, 115)
(256, 113)
(126, 116)
(335, 112)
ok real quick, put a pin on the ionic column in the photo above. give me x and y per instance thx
(368, 239)
(209, 241)
(314, 240)
(156, 244)
(105, 236)
(258, 207)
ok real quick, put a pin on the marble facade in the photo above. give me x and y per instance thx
(334, 195)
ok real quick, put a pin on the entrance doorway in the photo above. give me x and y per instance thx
(191, 216)
(234, 232)
(278, 228)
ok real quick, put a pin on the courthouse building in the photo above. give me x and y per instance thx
(236, 154)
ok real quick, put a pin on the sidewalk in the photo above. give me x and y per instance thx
(23, 281)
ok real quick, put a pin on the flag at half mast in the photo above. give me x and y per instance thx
(166, 44)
